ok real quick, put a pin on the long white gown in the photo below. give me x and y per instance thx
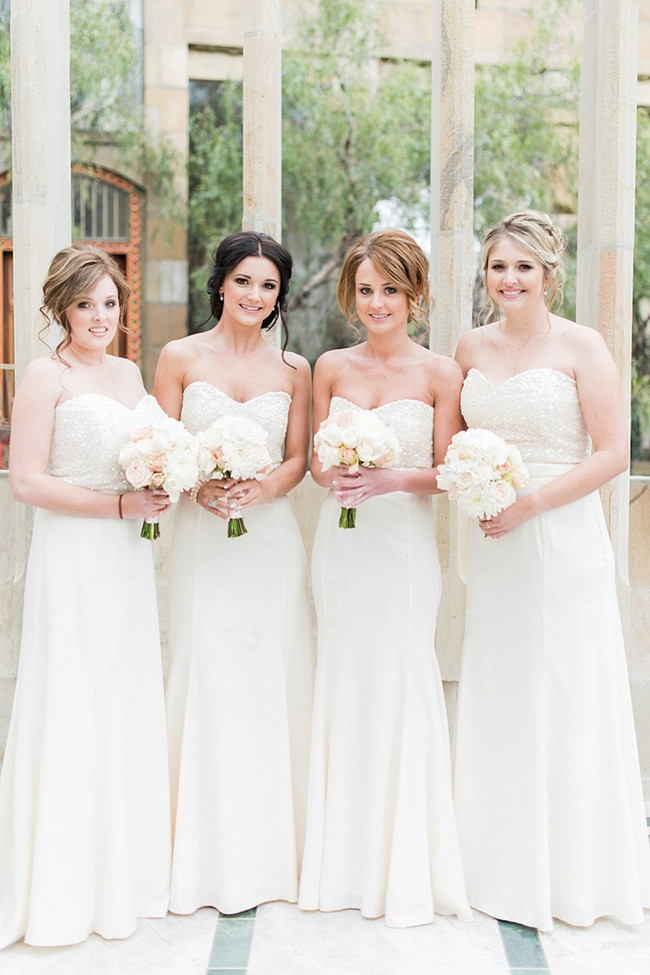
(84, 791)
(381, 835)
(546, 781)
(240, 686)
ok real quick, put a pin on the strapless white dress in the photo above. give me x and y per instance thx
(547, 786)
(239, 690)
(84, 791)
(381, 835)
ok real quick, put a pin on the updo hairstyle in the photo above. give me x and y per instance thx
(537, 234)
(232, 251)
(73, 274)
(396, 255)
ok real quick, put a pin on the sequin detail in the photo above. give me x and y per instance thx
(407, 418)
(204, 403)
(537, 410)
(89, 432)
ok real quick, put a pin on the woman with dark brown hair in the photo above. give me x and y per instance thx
(84, 792)
(380, 827)
(240, 682)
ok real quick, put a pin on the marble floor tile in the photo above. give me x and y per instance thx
(162, 946)
(288, 941)
(606, 948)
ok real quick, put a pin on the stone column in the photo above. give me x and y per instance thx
(452, 261)
(40, 95)
(262, 117)
(606, 206)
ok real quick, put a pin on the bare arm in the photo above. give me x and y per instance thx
(168, 384)
(324, 374)
(32, 425)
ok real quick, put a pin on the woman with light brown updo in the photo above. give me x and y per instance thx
(547, 787)
(84, 793)
(380, 828)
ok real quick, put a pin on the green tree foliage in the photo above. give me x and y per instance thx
(215, 180)
(641, 288)
(105, 92)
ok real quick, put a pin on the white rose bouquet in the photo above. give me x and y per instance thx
(481, 472)
(234, 447)
(163, 455)
(353, 438)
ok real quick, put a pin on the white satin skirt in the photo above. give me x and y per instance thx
(547, 786)
(85, 831)
(239, 704)
(381, 835)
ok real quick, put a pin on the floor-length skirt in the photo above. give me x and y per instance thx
(546, 782)
(239, 698)
(84, 791)
(380, 832)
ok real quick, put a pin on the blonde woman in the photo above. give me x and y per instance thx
(84, 791)
(380, 828)
(547, 786)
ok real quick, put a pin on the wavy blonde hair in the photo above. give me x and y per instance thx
(396, 255)
(72, 275)
(537, 234)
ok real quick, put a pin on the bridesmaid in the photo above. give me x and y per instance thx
(241, 673)
(380, 830)
(547, 786)
(84, 792)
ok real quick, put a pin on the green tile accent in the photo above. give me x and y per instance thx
(242, 914)
(230, 971)
(523, 948)
(232, 944)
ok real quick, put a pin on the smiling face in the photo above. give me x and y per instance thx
(514, 277)
(93, 318)
(381, 306)
(250, 291)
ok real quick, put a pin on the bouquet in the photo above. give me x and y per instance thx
(481, 472)
(351, 438)
(234, 447)
(161, 454)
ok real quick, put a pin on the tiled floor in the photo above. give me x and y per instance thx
(279, 939)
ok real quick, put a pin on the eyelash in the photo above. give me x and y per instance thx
(243, 282)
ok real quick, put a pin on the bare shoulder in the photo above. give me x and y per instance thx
(445, 369)
(46, 370)
(130, 369)
(585, 344)
(182, 350)
(330, 363)
(299, 363)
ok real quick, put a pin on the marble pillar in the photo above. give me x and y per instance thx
(606, 206)
(262, 117)
(40, 94)
(40, 90)
(452, 263)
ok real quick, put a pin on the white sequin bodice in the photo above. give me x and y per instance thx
(89, 432)
(412, 422)
(204, 403)
(537, 410)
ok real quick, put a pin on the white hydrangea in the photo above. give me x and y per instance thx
(236, 447)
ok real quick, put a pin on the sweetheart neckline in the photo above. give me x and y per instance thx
(239, 402)
(112, 399)
(524, 372)
(372, 409)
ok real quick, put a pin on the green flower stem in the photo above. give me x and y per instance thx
(348, 518)
(236, 527)
(150, 530)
